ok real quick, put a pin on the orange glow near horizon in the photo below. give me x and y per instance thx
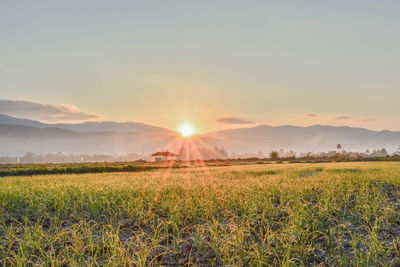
(191, 158)
(187, 130)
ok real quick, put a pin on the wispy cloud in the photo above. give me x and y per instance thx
(340, 118)
(369, 119)
(343, 118)
(45, 112)
(354, 118)
(233, 120)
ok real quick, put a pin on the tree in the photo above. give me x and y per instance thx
(221, 153)
(397, 153)
(260, 155)
(224, 153)
(29, 157)
(274, 155)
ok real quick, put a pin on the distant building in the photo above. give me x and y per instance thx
(164, 156)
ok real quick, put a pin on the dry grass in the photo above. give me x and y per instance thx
(275, 214)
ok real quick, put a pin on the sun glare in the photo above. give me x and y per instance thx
(186, 130)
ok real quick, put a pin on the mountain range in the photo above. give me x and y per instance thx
(17, 136)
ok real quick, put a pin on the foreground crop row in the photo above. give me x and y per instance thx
(299, 214)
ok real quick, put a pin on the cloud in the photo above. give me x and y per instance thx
(354, 118)
(340, 117)
(45, 112)
(343, 118)
(369, 119)
(233, 120)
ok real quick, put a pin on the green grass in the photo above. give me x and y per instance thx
(346, 170)
(76, 168)
(262, 172)
(309, 172)
(251, 215)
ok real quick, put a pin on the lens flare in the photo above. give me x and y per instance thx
(186, 130)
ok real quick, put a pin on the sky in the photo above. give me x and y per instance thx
(215, 64)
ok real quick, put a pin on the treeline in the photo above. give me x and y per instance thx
(42, 169)
(204, 153)
(59, 157)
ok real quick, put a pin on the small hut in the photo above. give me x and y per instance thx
(164, 156)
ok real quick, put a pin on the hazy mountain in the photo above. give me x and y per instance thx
(18, 139)
(302, 139)
(5, 119)
(17, 136)
(103, 126)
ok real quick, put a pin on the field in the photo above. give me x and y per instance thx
(257, 215)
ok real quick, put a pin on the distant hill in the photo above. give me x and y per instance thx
(103, 126)
(17, 136)
(5, 119)
(302, 139)
(17, 140)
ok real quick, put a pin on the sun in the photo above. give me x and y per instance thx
(186, 130)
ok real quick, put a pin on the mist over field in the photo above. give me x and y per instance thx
(17, 136)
